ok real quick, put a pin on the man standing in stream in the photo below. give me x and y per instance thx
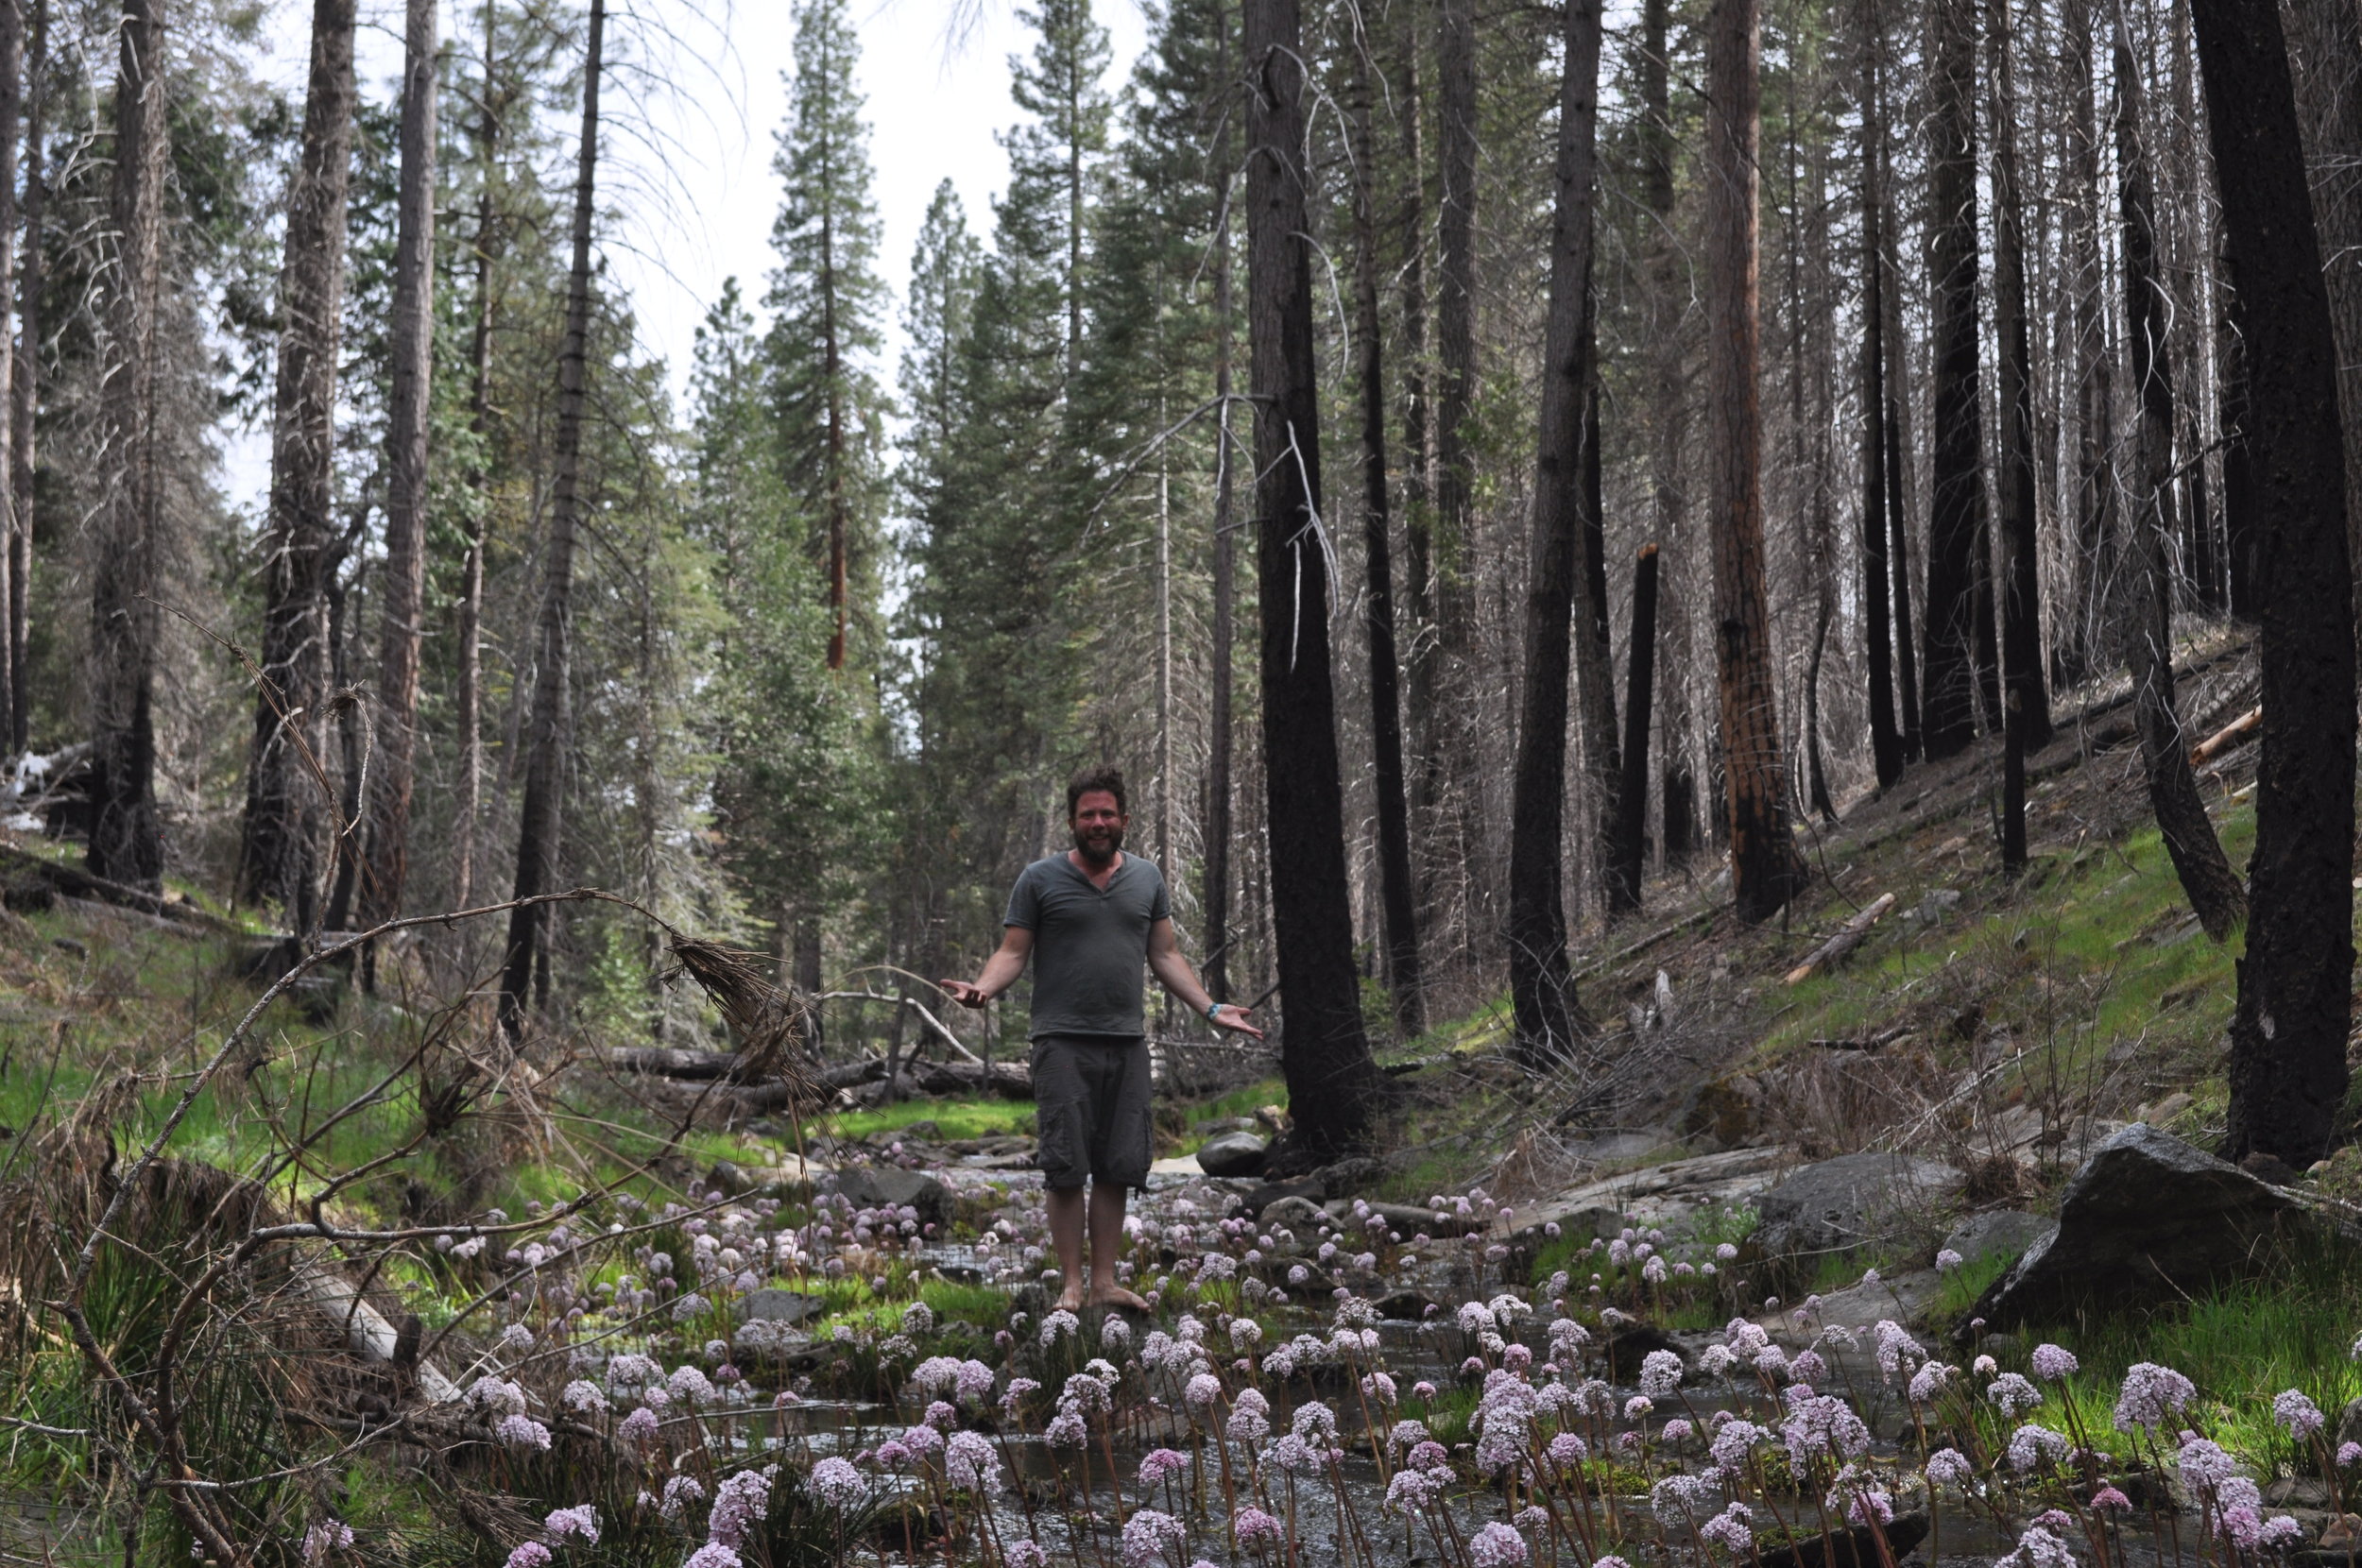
(1090, 918)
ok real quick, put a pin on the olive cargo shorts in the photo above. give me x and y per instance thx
(1091, 1109)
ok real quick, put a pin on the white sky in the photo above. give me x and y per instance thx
(931, 111)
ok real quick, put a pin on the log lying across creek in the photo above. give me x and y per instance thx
(1009, 1080)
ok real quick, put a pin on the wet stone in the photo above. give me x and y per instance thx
(889, 1186)
(774, 1305)
(1233, 1155)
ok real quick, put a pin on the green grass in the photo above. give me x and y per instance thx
(953, 1118)
(2241, 1345)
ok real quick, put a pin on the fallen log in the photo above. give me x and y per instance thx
(1849, 936)
(2232, 733)
(693, 1067)
(23, 873)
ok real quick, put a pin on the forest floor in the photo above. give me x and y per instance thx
(2003, 1025)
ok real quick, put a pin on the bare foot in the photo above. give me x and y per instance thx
(1116, 1295)
(1071, 1299)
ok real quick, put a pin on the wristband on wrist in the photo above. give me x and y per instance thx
(1212, 1008)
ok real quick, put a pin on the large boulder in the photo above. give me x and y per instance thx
(1998, 1233)
(1233, 1155)
(2148, 1218)
(773, 1306)
(1853, 1201)
(767, 1343)
(872, 1186)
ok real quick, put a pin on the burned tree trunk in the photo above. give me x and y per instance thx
(1763, 868)
(25, 392)
(1669, 399)
(2145, 613)
(286, 822)
(126, 839)
(1630, 841)
(2024, 706)
(1332, 1083)
(1216, 870)
(2324, 47)
(1957, 582)
(549, 732)
(1885, 741)
(2288, 1036)
(406, 489)
(2084, 637)
(1394, 823)
(1558, 607)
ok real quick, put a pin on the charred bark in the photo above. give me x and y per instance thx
(1629, 843)
(407, 421)
(2323, 43)
(549, 728)
(2145, 617)
(1215, 895)
(2026, 702)
(1765, 872)
(1558, 611)
(1394, 825)
(1669, 397)
(125, 839)
(2288, 1035)
(24, 389)
(287, 817)
(1324, 1056)
(1886, 741)
(1958, 578)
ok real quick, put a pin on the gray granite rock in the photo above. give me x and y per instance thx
(1849, 1202)
(1233, 1155)
(766, 1342)
(2148, 1217)
(2002, 1231)
(891, 1187)
(773, 1306)
(1300, 1215)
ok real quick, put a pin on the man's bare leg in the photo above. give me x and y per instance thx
(1065, 1235)
(1106, 1213)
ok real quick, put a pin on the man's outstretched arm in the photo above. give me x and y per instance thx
(1001, 970)
(1174, 972)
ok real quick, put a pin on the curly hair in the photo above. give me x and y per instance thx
(1102, 776)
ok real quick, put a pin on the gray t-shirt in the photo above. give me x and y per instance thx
(1088, 947)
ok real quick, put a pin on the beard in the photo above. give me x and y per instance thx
(1099, 846)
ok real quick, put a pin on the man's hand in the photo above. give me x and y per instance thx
(1001, 970)
(1233, 1019)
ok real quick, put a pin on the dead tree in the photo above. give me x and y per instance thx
(549, 732)
(1558, 600)
(2324, 46)
(404, 606)
(287, 818)
(1886, 741)
(2024, 705)
(1332, 1082)
(1393, 824)
(1956, 517)
(2288, 1035)
(25, 388)
(1764, 870)
(1629, 843)
(2144, 586)
(125, 839)
(1215, 899)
